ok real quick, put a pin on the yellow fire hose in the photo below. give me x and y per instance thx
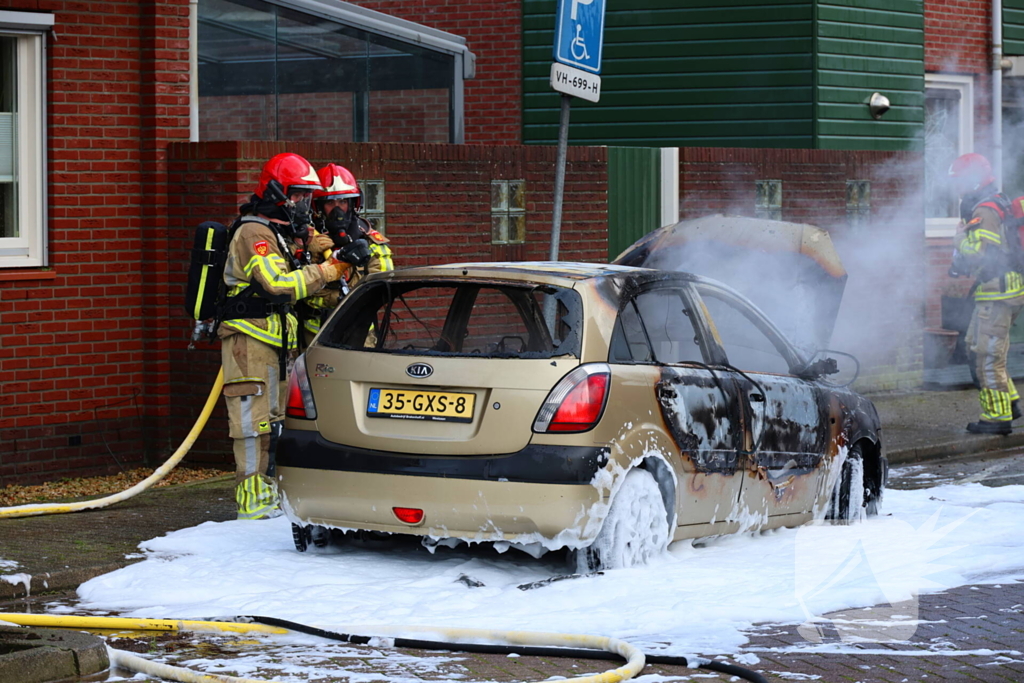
(32, 510)
(635, 659)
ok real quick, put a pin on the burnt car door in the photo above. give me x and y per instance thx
(787, 421)
(700, 406)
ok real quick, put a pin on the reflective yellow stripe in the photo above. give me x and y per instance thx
(271, 335)
(255, 498)
(202, 277)
(270, 267)
(382, 252)
(244, 379)
(995, 405)
(983, 234)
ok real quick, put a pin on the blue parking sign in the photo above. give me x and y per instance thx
(579, 33)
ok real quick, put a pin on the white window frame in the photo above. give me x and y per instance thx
(29, 249)
(946, 227)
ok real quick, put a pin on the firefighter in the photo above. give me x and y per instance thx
(352, 237)
(990, 253)
(258, 330)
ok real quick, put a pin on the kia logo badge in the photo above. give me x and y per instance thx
(419, 370)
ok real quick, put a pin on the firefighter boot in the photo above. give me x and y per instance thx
(986, 427)
(257, 498)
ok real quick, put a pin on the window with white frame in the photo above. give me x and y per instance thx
(948, 133)
(22, 153)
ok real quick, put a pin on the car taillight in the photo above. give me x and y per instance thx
(577, 401)
(300, 395)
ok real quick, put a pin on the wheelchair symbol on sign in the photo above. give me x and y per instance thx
(578, 44)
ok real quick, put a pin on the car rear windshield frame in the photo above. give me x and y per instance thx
(367, 320)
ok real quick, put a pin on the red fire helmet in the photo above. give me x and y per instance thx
(970, 172)
(338, 183)
(291, 172)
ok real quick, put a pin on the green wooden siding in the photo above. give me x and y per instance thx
(1013, 27)
(682, 72)
(634, 195)
(735, 73)
(864, 46)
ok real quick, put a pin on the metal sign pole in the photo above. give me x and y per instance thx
(575, 72)
(556, 210)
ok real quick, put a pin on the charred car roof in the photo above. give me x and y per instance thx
(531, 271)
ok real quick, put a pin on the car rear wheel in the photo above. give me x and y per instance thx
(635, 529)
(301, 537)
(320, 535)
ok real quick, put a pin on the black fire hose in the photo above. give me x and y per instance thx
(525, 650)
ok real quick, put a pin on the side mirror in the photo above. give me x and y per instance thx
(821, 367)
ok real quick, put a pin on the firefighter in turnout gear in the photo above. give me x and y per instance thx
(352, 240)
(258, 329)
(991, 253)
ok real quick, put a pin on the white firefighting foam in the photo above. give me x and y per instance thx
(688, 599)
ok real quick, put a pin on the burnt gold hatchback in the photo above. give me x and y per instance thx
(604, 409)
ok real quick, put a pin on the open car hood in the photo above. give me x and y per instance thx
(790, 270)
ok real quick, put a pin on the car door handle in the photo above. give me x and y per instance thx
(756, 397)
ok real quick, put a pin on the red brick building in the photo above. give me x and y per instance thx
(125, 147)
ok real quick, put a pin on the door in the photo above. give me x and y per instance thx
(786, 430)
(700, 406)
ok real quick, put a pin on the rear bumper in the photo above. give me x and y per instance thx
(534, 464)
(554, 515)
(539, 494)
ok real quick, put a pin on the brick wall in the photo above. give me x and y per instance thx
(494, 33)
(437, 204)
(957, 38)
(73, 361)
(880, 319)
(409, 116)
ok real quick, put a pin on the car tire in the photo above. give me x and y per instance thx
(852, 498)
(301, 537)
(319, 535)
(635, 529)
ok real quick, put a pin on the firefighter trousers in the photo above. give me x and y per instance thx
(255, 397)
(989, 337)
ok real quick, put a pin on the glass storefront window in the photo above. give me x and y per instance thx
(270, 73)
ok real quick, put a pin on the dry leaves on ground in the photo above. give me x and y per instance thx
(90, 487)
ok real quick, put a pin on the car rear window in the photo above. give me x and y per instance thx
(465, 318)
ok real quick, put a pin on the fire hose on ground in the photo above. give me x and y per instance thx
(32, 510)
(528, 643)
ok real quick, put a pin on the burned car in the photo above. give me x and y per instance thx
(601, 408)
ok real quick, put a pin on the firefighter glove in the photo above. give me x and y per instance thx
(357, 253)
(319, 244)
(333, 269)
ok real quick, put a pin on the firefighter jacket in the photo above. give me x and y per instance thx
(255, 261)
(324, 301)
(380, 256)
(986, 252)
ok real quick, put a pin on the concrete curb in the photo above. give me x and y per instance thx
(969, 445)
(40, 655)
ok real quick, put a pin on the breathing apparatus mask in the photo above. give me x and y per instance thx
(348, 236)
(295, 214)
